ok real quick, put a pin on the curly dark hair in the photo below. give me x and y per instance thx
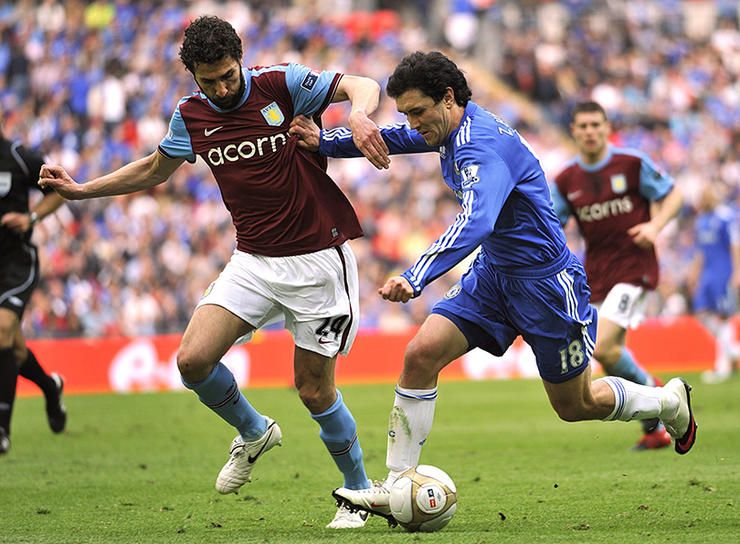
(431, 73)
(207, 40)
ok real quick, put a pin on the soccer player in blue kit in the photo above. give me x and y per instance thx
(524, 281)
(715, 277)
(292, 259)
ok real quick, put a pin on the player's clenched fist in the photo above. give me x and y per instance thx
(57, 178)
(397, 289)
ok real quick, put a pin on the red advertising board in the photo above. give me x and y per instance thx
(148, 363)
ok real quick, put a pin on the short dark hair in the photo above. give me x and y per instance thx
(209, 39)
(431, 73)
(587, 107)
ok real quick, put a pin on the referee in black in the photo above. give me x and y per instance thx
(19, 275)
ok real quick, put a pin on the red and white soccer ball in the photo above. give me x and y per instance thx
(424, 498)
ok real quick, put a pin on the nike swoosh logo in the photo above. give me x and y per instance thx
(324, 341)
(571, 196)
(251, 459)
(208, 132)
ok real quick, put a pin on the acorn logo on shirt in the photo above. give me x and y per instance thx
(605, 210)
(247, 149)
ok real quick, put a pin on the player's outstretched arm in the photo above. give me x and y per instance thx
(142, 174)
(338, 142)
(364, 94)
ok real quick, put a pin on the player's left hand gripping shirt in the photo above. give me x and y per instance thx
(280, 197)
(501, 187)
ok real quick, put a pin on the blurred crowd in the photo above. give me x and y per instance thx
(93, 84)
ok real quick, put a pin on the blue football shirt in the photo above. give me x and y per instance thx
(500, 185)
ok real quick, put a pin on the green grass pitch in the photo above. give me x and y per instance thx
(141, 469)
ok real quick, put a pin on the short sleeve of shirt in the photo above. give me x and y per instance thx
(560, 204)
(176, 144)
(31, 163)
(655, 184)
(311, 91)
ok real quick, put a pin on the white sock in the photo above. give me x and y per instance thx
(408, 427)
(725, 340)
(634, 401)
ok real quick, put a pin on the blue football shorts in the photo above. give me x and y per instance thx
(715, 294)
(551, 313)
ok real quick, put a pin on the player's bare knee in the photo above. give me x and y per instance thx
(420, 360)
(314, 398)
(192, 367)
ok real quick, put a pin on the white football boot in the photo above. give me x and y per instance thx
(375, 500)
(681, 426)
(345, 518)
(243, 455)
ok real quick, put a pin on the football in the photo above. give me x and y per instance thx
(424, 498)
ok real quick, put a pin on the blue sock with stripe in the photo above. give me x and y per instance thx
(339, 433)
(220, 392)
(627, 368)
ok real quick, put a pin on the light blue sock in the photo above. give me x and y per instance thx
(339, 433)
(221, 394)
(628, 369)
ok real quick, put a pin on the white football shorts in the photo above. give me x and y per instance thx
(624, 305)
(316, 294)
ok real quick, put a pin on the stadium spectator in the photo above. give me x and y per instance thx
(292, 260)
(621, 202)
(715, 277)
(524, 280)
(19, 172)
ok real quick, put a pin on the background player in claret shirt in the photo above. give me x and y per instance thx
(292, 259)
(524, 281)
(715, 277)
(621, 201)
(19, 275)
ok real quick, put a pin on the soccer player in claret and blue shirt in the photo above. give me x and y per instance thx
(621, 201)
(292, 259)
(524, 281)
(715, 276)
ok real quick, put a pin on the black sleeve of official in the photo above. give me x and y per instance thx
(30, 163)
